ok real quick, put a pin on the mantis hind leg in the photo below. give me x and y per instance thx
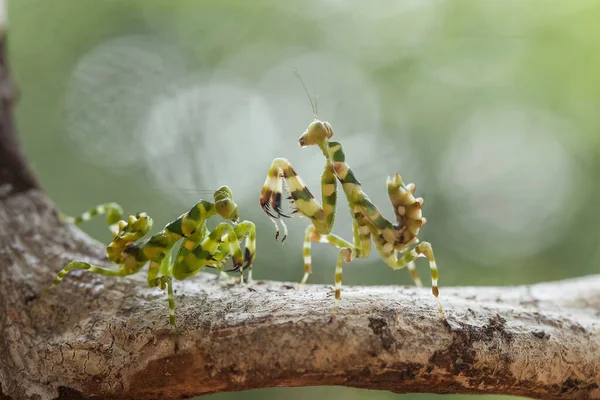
(423, 249)
(113, 211)
(77, 264)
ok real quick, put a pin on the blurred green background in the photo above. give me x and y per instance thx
(491, 107)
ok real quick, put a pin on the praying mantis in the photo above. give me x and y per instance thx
(199, 248)
(396, 242)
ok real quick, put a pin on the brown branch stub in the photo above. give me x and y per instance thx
(109, 338)
(15, 173)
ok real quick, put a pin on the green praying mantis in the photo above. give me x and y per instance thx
(199, 248)
(397, 243)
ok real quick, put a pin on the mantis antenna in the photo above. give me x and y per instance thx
(312, 104)
(186, 189)
(316, 96)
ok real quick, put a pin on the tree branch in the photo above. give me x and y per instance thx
(110, 337)
(15, 174)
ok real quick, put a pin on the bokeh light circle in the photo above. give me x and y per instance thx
(109, 93)
(509, 180)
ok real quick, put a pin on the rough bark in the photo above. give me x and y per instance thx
(106, 337)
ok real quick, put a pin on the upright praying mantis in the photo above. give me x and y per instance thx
(397, 243)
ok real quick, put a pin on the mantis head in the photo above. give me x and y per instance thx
(318, 132)
(225, 205)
